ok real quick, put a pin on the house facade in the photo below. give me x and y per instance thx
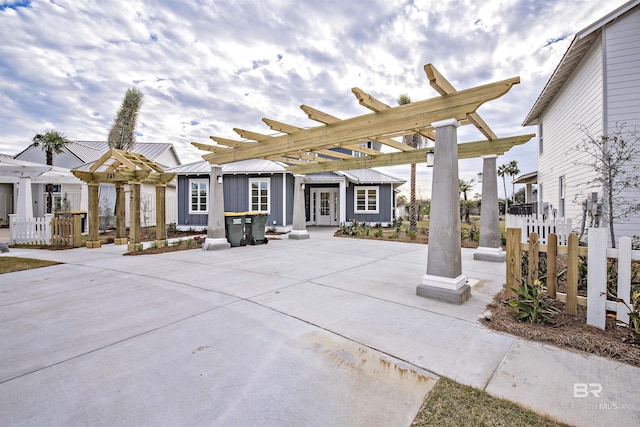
(594, 89)
(266, 186)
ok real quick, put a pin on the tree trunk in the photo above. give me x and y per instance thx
(49, 186)
(413, 222)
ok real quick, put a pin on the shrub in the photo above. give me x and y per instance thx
(412, 234)
(378, 233)
(634, 313)
(532, 304)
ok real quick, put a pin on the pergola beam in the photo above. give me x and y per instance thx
(415, 115)
(444, 87)
(466, 150)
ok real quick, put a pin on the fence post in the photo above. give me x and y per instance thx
(77, 231)
(12, 228)
(552, 264)
(597, 278)
(47, 228)
(514, 259)
(533, 259)
(571, 304)
(624, 279)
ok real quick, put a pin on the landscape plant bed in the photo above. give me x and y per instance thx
(569, 331)
(403, 237)
(182, 245)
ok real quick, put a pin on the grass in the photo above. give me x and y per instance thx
(10, 264)
(454, 404)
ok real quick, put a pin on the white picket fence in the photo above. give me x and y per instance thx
(531, 224)
(30, 231)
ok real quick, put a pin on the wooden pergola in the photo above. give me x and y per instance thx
(340, 145)
(120, 167)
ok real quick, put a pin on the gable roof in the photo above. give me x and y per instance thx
(582, 42)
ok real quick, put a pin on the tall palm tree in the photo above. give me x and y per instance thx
(52, 142)
(513, 171)
(463, 187)
(503, 170)
(122, 134)
(413, 140)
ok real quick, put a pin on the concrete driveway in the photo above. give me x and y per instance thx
(316, 332)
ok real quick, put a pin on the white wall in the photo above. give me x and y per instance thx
(579, 103)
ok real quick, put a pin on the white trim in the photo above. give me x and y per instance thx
(260, 180)
(284, 199)
(208, 193)
(366, 200)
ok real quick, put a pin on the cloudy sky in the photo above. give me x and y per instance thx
(207, 66)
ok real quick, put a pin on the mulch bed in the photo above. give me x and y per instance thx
(569, 331)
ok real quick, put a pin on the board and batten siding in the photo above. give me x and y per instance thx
(622, 59)
(385, 204)
(579, 103)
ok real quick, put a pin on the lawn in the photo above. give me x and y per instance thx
(10, 264)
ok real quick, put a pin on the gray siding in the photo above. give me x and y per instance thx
(184, 218)
(385, 204)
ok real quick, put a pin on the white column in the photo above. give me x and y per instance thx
(24, 209)
(84, 204)
(490, 248)
(215, 224)
(299, 218)
(343, 201)
(444, 280)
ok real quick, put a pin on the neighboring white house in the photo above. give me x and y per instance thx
(595, 86)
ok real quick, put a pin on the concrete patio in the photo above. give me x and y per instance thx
(325, 331)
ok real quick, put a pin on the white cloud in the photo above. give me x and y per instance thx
(209, 66)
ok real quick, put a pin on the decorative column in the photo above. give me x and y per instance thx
(134, 218)
(343, 201)
(94, 216)
(299, 231)
(490, 248)
(444, 280)
(25, 199)
(161, 222)
(121, 216)
(84, 204)
(215, 223)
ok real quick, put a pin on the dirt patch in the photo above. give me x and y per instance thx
(569, 331)
(388, 236)
(182, 245)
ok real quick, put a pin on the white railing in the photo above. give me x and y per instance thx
(30, 231)
(531, 224)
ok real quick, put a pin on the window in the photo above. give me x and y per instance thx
(366, 199)
(199, 195)
(259, 194)
(540, 145)
(562, 186)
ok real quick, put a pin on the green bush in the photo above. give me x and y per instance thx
(532, 304)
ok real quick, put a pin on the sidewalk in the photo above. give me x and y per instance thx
(325, 331)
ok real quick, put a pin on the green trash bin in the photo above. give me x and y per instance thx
(234, 228)
(255, 223)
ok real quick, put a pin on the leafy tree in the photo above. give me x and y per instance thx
(413, 140)
(122, 134)
(52, 142)
(519, 196)
(513, 171)
(615, 160)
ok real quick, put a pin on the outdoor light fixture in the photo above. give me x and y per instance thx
(219, 179)
(430, 160)
(479, 177)
(302, 186)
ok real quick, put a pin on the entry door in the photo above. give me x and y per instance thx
(327, 207)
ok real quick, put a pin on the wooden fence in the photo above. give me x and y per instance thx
(48, 230)
(597, 257)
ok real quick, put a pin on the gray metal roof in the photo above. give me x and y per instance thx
(580, 45)
(244, 166)
(371, 176)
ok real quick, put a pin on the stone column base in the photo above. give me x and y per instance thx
(121, 241)
(214, 244)
(161, 243)
(489, 254)
(299, 234)
(134, 247)
(93, 245)
(444, 289)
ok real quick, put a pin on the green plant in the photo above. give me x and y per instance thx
(634, 313)
(423, 230)
(412, 234)
(378, 233)
(172, 228)
(532, 304)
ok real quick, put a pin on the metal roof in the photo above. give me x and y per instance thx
(244, 166)
(371, 176)
(580, 45)
(90, 151)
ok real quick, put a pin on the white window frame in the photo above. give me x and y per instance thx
(260, 180)
(199, 181)
(366, 199)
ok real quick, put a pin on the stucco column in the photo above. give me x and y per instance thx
(444, 280)
(93, 216)
(24, 209)
(343, 201)
(134, 217)
(299, 218)
(490, 248)
(84, 204)
(161, 226)
(215, 222)
(121, 216)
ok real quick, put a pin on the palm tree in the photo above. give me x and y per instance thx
(413, 140)
(51, 142)
(503, 170)
(122, 134)
(513, 171)
(465, 186)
